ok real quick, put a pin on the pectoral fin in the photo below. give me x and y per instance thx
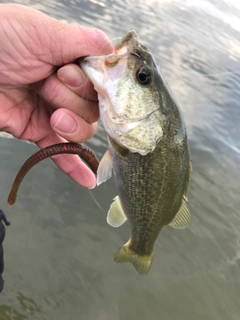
(182, 218)
(116, 216)
(104, 171)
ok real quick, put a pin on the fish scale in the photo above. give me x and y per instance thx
(154, 196)
(147, 150)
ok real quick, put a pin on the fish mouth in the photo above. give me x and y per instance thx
(110, 60)
(95, 67)
(122, 50)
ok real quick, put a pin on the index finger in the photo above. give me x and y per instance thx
(75, 79)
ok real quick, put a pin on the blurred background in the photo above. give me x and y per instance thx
(59, 248)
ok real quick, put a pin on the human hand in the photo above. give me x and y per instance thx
(38, 102)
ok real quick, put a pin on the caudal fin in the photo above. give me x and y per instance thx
(141, 263)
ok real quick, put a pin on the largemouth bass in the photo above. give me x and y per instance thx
(147, 147)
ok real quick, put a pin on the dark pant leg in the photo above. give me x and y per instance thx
(2, 235)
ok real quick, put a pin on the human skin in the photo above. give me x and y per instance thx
(44, 97)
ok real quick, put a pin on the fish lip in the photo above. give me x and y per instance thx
(128, 42)
(118, 57)
(88, 58)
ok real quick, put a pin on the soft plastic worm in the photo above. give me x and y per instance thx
(62, 148)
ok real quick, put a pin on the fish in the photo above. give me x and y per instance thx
(148, 151)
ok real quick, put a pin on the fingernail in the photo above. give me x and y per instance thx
(94, 186)
(66, 123)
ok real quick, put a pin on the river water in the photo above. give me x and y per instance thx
(59, 248)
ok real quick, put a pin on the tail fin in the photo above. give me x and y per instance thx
(141, 263)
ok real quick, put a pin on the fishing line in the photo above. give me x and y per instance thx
(111, 41)
(91, 193)
(95, 200)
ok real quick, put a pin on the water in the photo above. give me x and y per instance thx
(59, 248)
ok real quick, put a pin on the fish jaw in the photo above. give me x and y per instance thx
(101, 71)
(128, 111)
(104, 80)
(92, 66)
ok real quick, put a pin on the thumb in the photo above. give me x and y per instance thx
(74, 41)
(67, 42)
(51, 41)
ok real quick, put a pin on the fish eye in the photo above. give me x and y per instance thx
(143, 76)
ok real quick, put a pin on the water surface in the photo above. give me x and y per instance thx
(59, 248)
